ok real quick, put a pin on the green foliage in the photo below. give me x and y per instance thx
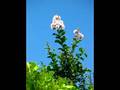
(64, 70)
(90, 87)
(38, 78)
(67, 63)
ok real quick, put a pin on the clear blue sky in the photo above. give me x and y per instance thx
(74, 13)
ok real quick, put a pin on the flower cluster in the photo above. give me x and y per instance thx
(78, 34)
(57, 23)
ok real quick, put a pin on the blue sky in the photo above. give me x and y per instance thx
(74, 13)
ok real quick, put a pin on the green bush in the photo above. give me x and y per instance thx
(38, 78)
(67, 63)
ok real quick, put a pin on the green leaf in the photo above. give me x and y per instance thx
(62, 33)
(64, 45)
(49, 56)
(67, 86)
(87, 70)
(78, 55)
(61, 49)
(48, 68)
(81, 58)
(58, 41)
(58, 36)
(85, 54)
(35, 68)
(81, 50)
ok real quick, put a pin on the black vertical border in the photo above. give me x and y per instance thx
(99, 58)
(21, 58)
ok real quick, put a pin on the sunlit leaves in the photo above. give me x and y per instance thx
(44, 80)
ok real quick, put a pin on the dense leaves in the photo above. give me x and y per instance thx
(67, 63)
(38, 78)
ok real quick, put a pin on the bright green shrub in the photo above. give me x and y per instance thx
(37, 78)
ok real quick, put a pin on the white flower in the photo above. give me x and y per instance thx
(57, 26)
(57, 23)
(61, 22)
(62, 26)
(78, 34)
(76, 31)
(53, 25)
(56, 17)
